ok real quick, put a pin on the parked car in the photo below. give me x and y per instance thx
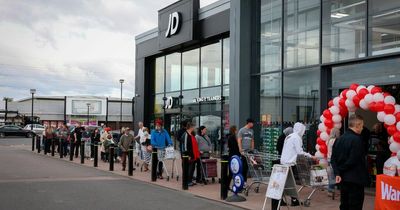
(13, 130)
(37, 128)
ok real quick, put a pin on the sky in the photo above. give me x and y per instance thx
(72, 47)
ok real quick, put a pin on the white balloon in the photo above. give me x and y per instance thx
(334, 110)
(396, 108)
(336, 118)
(336, 101)
(391, 140)
(390, 119)
(317, 147)
(394, 147)
(324, 136)
(322, 127)
(322, 118)
(350, 103)
(363, 104)
(360, 87)
(398, 157)
(390, 100)
(398, 126)
(378, 97)
(350, 94)
(368, 98)
(381, 116)
(369, 88)
(318, 154)
(338, 125)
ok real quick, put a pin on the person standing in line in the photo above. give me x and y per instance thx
(349, 165)
(160, 139)
(95, 137)
(103, 140)
(180, 133)
(138, 137)
(245, 142)
(64, 136)
(78, 138)
(205, 146)
(146, 148)
(335, 134)
(233, 148)
(281, 139)
(124, 142)
(190, 148)
(49, 135)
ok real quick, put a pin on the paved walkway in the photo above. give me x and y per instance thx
(320, 199)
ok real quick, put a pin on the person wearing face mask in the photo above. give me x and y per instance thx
(160, 139)
(349, 166)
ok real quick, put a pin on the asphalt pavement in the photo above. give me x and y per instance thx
(32, 181)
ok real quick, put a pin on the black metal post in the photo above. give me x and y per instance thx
(96, 154)
(185, 172)
(33, 136)
(154, 161)
(224, 177)
(111, 157)
(130, 160)
(82, 152)
(61, 148)
(71, 150)
(53, 147)
(46, 143)
(120, 111)
(38, 143)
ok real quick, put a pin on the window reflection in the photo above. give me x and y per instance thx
(211, 65)
(159, 74)
(226, 60)
(190, 74)
(173, 72)
(270, 98)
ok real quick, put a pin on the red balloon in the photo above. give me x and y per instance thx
(343, 94)
(386, 94)
(330, 103)
(318, 133)
(391, 129)
(362, 93)
(327, 114)
(328, 123)
(328, 131)
(389, 109)
(396, 136)
(343, 112)
(385, 125)
(372, 106)
(376, 90)
(354, 86)
(397, 115)
(379, 106)
(320, 142)
(323, 149)
(342, 102)
(356, 100)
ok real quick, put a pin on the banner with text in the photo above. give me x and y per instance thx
(387, 192)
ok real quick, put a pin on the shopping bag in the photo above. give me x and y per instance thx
(319, 177)
(169, 153)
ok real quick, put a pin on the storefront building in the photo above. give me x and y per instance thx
(276, 61)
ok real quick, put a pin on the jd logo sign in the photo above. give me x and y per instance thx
(174, 24)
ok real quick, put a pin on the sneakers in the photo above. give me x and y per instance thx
(295, 202)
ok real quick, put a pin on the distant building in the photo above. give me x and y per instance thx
(55, 110)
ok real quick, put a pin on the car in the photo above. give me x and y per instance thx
(37, 128)
(13, 130)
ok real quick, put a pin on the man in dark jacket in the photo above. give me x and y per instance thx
(348, 162)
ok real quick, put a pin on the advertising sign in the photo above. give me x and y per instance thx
(387, 195)
(79, 106)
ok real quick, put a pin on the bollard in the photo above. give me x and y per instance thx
(53, 147)
(82, 152)
(71, 150)
(61, 150)
(96, 154)
(111, 157)
(38, 144)
(33, 143)
(130, 160)
(185, 172)
(46, 143)
(154, 164)
(224, 177)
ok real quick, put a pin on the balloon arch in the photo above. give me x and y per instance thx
(368, 98)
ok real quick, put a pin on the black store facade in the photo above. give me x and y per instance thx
(276, 61)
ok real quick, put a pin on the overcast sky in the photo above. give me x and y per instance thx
(72, 47)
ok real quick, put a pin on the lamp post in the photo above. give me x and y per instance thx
(6, 100)
(120, 111)
(32, 91)
(88, 108)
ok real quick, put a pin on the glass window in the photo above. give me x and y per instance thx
(270, 35)
(380, 72)
(301, 96)
(211, 65)
(385, 30)
(173, 72)
(270, 98)
(301, 32)
(343, 30)
(158, 103)
(190, 74)
(159, 75)
(189, 105)
(175, 102)
(212, 121)
(226, 60)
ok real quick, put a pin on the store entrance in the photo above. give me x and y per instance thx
(172, 125)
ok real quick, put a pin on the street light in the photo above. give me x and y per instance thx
(6, 100)
(120, 111)
(32, 91)
(88, 107)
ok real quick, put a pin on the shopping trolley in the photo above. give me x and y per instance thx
(310, 175)
(87, 146)
(208, 170)
(258, 171)
(163, 155)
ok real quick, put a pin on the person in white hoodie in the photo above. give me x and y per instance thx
(292, 147)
